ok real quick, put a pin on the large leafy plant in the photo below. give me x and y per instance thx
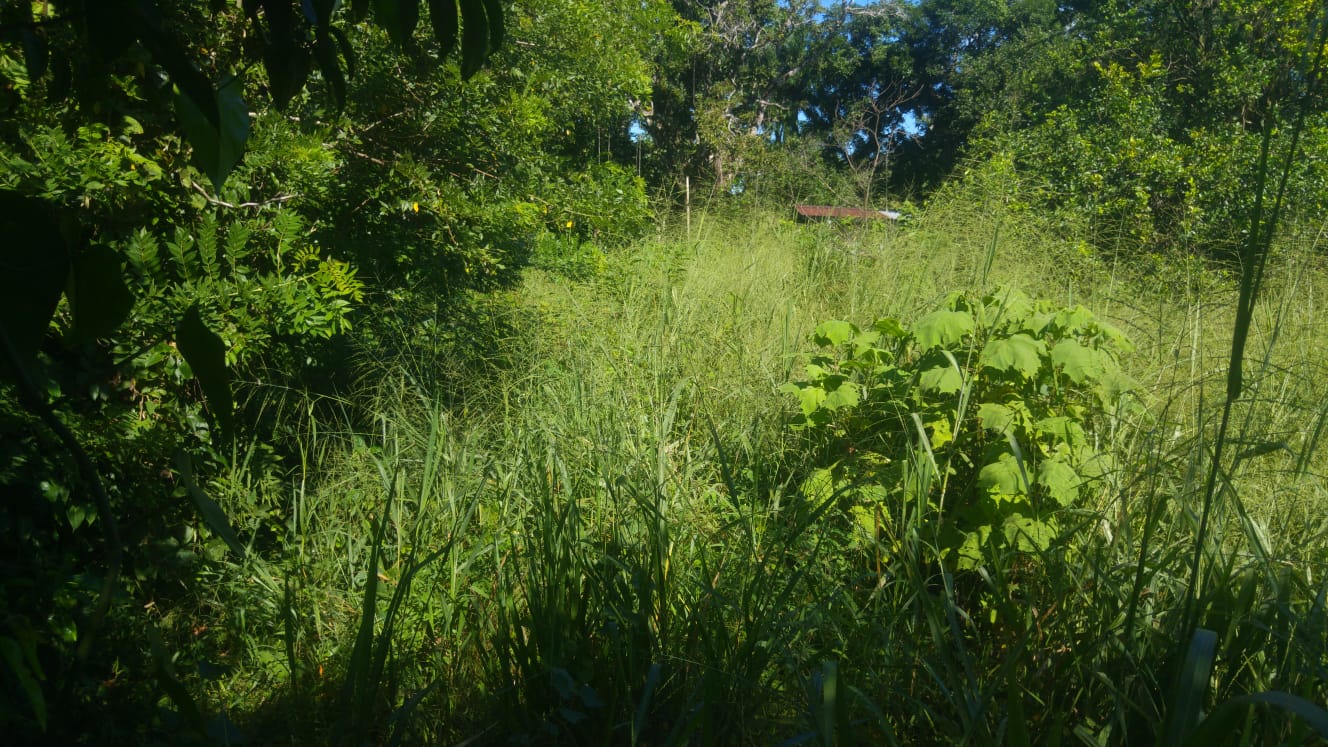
(985, 418)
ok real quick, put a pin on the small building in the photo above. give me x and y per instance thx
(826, 212)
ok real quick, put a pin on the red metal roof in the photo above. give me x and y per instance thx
(827, 211)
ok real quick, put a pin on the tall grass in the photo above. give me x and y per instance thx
(593, 533)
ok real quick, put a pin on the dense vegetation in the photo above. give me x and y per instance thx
(454, 372)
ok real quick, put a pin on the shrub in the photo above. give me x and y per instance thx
(985, 415)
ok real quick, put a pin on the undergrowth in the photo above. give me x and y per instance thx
(603, 530)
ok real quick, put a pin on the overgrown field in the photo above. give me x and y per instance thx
(606, 527)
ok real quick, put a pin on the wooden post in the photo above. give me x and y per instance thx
(688, 203)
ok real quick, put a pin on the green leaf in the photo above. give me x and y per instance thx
(819, 486)
(1019, 353)
(399, 17)
(1080, 364)
(443, 16)
(325, 52)
(1064, 429)
(1060, 480)
(34, 267)
(996, 417)
(1027, 535)
(206, 354)
(942, 328)
(834, 333)
(1191, 686)
(843, 395)
(211, 512)
(493, 10)
(1004, 477)
(890, 328)
(809, 397)
(1074, 320)
(217, 148)
(27, 671)
(1227, 717)
(943, 379)
(98, 296)
(474, 37)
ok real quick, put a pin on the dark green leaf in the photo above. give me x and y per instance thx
(217, 150)
(494, 11)
(35, 53)
(209, 510)
(1003, 477)
(1191, 687)
(27, 671)
(1228, 716)
(34, 265)
(442, 15)
(284, 53)
(206, 354)
(98, 296)
(399, 17)
(325, 51)
(474, 36)
(346, 49)
(994, 416)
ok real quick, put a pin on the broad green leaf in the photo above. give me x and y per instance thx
(206, 355)
(844, 395)
(1003, 477)
(1079, 363)
(994, 416)
(969, 553)
(1073, 320)
(1191, 685)
(943, 379)
(819, 486)
(474, 36)
(398, 17)
(98, 297)
(27, 671)
(1228, 716)
(834, 333)
(34, 266)
(1060, 480)
(1064, 429)
(217, 148)
(443, 17)
(942, 328)
(211, 512)
(1111, 386)
(890, 328)
(1027, 535)
(809, 397)
(493, 11)
(325, 52)
(1009, 307)
(1019, 353)
(941, 432)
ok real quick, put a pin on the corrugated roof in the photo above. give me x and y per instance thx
(828, 211)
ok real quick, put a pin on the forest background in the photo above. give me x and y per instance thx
(386, 371)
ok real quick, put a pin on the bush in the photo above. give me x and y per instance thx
(986, 414)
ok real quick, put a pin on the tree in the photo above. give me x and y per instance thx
(127, 290)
